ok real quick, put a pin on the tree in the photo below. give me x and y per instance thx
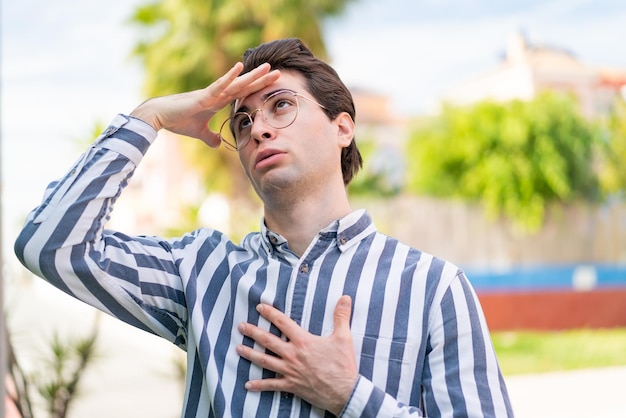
(382, 175)
(190, 43)
(515, 158)
(613, 155)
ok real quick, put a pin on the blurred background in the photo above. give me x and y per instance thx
(494, 135)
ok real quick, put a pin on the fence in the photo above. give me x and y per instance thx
(570, 274)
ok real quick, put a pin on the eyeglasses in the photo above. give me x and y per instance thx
(279, 110)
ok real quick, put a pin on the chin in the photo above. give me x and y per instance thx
(272, 183)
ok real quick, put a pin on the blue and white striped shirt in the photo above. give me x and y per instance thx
(420, 338)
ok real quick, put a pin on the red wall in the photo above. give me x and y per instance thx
(555, 310)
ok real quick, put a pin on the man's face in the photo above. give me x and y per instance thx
(296, 158)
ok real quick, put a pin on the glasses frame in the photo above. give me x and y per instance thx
(252, 114)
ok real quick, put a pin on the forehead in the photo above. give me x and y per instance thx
(289, 80)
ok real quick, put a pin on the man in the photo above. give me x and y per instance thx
(316, 312)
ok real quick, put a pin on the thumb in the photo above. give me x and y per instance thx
(343, 311)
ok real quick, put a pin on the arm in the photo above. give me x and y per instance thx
(462, 375)
(64, 240)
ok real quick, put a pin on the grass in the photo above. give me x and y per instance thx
(539, 352)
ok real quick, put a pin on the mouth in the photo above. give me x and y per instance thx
(266, 157)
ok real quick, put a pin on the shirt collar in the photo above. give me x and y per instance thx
(348, 231)
(353, 228)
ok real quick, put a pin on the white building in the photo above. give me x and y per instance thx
(527, 70)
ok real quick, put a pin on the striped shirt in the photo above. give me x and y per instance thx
(420, 338)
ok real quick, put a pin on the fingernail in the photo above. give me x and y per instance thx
(259, 308)
(241, 327)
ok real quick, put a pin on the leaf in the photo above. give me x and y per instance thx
(516, 157)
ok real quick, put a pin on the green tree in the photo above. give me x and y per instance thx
(189, 43)
(515, 158)
(381, 176)
(613, 155)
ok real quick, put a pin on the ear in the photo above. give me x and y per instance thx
(345, 129)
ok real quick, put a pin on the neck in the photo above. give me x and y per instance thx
(300, 216)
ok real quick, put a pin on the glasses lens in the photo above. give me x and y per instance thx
(235, 131)
(280, 109)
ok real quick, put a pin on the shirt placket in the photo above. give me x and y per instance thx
(298, 300)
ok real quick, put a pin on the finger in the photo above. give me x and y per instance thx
(255, 73)
(239, 90)
(232, 85)
(262, 337)
(268, 384)
(258, 78)
(258, 84)
(342, 314)
(260, 358)
(226, 80)
(285, 324)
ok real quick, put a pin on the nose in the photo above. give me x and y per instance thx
(261, 130)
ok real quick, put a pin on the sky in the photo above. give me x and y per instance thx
(415, 50)
(65, 65)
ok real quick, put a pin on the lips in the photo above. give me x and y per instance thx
(264, 155)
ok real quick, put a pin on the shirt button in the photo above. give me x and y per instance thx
(343, 240)
(304, 268)
(273, 239)
(286, 395)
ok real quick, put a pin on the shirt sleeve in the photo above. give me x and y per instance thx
(64, 240)
(461, 375)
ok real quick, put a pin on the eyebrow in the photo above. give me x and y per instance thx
(264, 97)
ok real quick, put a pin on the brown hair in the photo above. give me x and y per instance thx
(323, 83)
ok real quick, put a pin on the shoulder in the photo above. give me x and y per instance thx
(435, 271)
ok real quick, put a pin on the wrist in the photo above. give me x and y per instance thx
(143, 112)
(344, 398)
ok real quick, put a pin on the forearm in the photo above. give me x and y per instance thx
(64, 240)
(75, 208)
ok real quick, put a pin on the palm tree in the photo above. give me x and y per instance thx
(189, 43)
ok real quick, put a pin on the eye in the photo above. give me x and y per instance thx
(283, 102)
(241, 122)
